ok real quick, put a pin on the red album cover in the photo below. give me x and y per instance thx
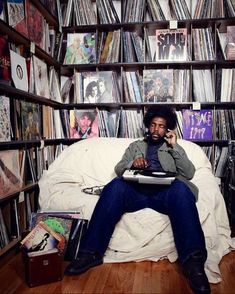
(5, 64)
(35, 24)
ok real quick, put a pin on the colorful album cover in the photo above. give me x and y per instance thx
(31, 121)
(83, 124)
(41, 238)
(197, 124)
(80, 48)
(158, 85)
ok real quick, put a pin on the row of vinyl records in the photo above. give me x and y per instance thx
(148, 85)
(28, 20)
(149, 45)
(112, 11)
(33, 121)
(36, 77)
(15, 217)
(22, 167)
(31, 23)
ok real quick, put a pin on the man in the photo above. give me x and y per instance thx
(104, 95)
(159, 151)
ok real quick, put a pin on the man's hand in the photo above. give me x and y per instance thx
(140, 162)
(171, 137)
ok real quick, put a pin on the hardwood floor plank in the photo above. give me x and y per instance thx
(145, 277)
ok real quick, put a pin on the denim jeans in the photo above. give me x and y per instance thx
(119, 196)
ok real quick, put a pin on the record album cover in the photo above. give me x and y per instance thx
(10, 178)
(80, 48)
(158, 85)
(41, 77)
(5, 64)
(17, 16)
(19, 72)
(5, 121)
(197, 124)
(171, 45)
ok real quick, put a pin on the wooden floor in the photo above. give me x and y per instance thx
(142, 277)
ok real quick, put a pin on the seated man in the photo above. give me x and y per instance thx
(158, 151)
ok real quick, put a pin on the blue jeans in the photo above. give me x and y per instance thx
(119, 196)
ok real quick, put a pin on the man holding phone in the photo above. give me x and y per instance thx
(159, 151)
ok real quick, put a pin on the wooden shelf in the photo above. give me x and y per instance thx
(11, 91)
(51, 19)
(12, 244)
(15, 194)
(19, 39)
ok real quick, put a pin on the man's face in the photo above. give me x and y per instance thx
(157, 128)
(84, 122)
(101, 87)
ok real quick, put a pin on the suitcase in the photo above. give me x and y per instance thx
(43, 269)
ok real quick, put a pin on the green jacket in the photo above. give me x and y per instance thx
(172, 159)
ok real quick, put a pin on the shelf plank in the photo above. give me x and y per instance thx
(14, 194)
(19, 39)
(9, 246)
(9, 90)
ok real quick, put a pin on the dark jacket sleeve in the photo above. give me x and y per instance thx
(184, 166)
(131, 153)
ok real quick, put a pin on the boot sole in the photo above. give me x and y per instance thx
(84, 269)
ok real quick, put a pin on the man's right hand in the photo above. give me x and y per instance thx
(140, 162)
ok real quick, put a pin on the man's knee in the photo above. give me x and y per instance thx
(182, 192)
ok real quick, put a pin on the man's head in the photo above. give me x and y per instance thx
(101, 85)
(158, 120)
(85, 120)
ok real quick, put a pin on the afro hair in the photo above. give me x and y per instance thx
(165, 112)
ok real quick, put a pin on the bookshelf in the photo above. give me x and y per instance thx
(36, 153)
(134, 39)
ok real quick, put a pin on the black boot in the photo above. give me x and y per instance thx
(83, 263)
(193, 269)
